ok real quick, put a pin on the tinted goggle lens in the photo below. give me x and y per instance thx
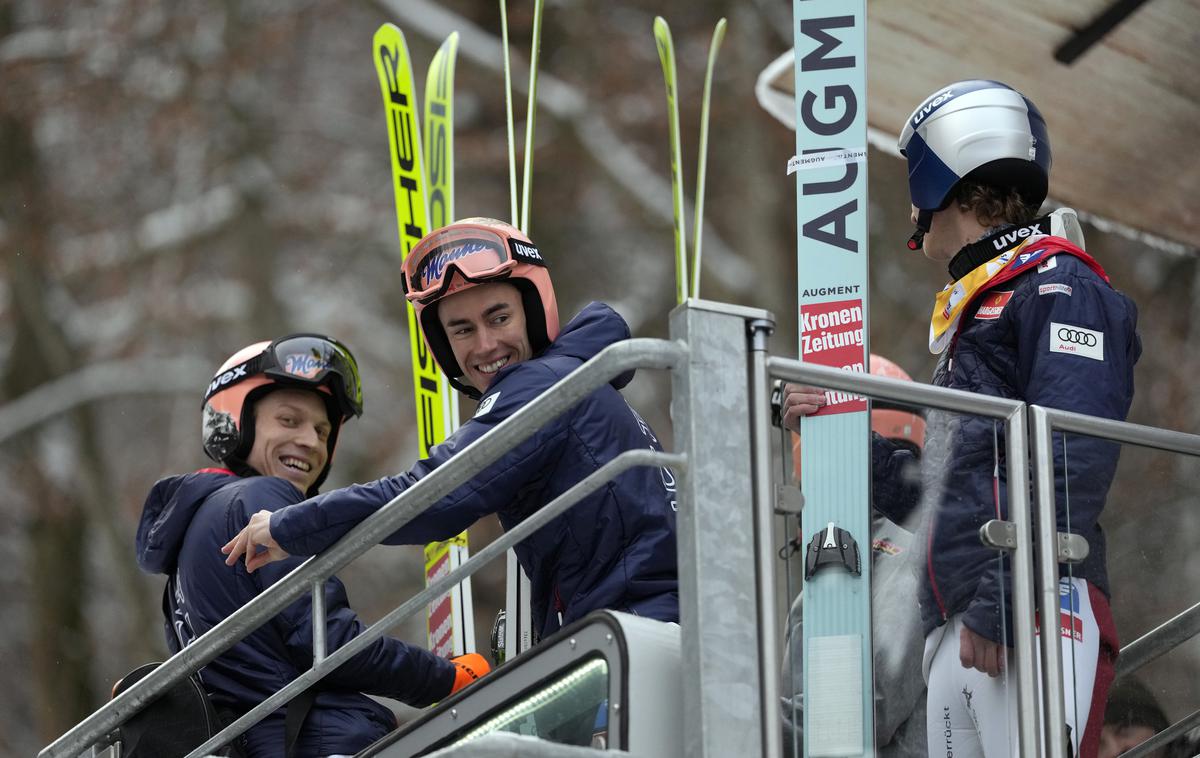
(475, 253)
(314, 360)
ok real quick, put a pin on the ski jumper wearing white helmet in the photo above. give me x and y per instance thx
(978, 130)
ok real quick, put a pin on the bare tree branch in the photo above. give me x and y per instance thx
(96, 382)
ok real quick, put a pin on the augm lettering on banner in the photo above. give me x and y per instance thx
(829, 113)
(831, 334)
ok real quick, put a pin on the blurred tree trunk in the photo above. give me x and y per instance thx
(60, 643)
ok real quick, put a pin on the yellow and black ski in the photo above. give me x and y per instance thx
(424, 200)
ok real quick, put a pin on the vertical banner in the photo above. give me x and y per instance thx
(831, 213)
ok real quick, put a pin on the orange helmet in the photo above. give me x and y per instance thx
(479, 251)
(894, 422)
(300, 361)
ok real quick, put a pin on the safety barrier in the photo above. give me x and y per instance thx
(720, 382)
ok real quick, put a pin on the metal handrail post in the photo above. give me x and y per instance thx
(764, 516)
(609, 363)
(1016, 437)
(318, 621)
(1053, 706)
(718, 594)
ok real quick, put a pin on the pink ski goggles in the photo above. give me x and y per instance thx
(477, 253)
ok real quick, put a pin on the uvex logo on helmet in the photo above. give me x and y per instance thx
(934, 103)
(235, 373)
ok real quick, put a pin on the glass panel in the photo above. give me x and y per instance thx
(1142, 571)
(952, 492)
(570, 710)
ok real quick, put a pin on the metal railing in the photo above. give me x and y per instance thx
(720, 388)
(613, 361)
(1012, 413)
(1044, 423)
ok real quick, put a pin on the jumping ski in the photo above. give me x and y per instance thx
(831, 214)
(518, 627)
(450, 620)
(686, 286)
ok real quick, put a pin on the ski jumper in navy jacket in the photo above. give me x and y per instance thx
(614, 549)
(1049, 330)
(184, 524)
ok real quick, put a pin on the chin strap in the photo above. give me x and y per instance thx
(917, 240)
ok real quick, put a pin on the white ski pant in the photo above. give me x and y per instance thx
(973, 715)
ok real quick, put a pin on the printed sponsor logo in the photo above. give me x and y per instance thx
(825, 158)
(1075, 340)
(528, 251)
(486, 404)
(948, 731)
(1024, 258)
(830, 215)
(238, 372)
(850, 289)
(1054, 288)
(304, 365)
(937, 101)
(831, 334)
(992, 305)
(435, 265)
(1010, 238)
(1047, 264)
(1070, 624)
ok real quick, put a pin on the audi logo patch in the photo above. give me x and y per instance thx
(1076, 340)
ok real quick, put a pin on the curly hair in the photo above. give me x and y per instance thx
(993, 206)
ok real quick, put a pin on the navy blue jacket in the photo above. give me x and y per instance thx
(185, 521)
(614, 549)
(1063, 338)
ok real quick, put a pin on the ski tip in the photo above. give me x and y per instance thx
(719, 32)
(388, 31)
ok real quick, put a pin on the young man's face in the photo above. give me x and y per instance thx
(946, 235)
(486, 329)
(291, 432)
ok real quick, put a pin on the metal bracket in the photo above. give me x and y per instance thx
(1002, 535)
(789, 500)
(832, 546)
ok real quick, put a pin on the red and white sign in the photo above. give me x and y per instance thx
(831, 334)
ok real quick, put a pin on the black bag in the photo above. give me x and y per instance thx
(183, 718)
(173, 725)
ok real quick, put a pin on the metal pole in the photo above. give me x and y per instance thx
(1053, 708)
(1025, 654)
(1162, 639)
(718, 593)
(318, 620)
(764, 515)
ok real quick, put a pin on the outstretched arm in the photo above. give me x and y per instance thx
(256, 543)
